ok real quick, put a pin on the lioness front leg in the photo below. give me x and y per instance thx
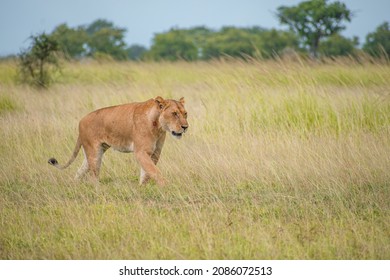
(144, 177)
(148, 168)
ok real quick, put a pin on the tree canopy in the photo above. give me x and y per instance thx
(99, 37)
(233, 42)
(203, 43)
(378, 42)
(172, 46)
(72, 41)
(315, 19)
(104, 37)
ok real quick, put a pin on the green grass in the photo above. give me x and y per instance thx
(282, 160)
(7, 104)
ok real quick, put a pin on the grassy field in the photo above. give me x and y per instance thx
(282, 160)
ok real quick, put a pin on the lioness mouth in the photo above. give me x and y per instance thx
(177, 134)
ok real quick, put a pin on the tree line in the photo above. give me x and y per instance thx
(314, 30)
(102, 39)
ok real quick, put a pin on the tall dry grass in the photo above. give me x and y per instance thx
(282, 160)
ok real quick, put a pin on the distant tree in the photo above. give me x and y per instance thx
(233, 42)
(105, 38)
(274, 42)
(337, 45)
(98, 25)
(172, 46)
(198, 36)
(39, 61)
(135, 52)
(378, 42)
(203, 43)
(72, 41)
(315, 19)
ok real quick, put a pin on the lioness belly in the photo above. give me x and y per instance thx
(128, 148)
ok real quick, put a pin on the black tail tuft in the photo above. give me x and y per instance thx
(53, 161)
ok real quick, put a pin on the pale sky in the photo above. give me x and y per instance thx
(20, 19)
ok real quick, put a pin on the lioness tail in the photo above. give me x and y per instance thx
(54, 162)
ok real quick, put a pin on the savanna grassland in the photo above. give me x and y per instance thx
(282, 160)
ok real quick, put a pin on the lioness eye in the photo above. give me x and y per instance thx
(175, 114)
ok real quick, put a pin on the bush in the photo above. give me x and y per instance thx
(39, 61)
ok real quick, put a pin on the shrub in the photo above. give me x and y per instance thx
(39, 61)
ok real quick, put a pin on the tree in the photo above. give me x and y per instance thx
(203, 43)
(39, 60)
(135, 52)
(233, 42)
(98, 25)
(199, 36)
(314, 20)
(105, 38)
(72, 41)
(99, 39)
(172, 46)
(249, 42)
(337, 45)
(378, 42)
(274, 42)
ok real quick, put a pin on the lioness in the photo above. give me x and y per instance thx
(135, 127)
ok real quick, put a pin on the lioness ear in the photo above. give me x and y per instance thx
(181, 100)
(160, 101)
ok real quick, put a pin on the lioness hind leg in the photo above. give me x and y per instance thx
(83, 168)
(94, 159)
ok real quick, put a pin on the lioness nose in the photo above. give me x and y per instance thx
(184, 127)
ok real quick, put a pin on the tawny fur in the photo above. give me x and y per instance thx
(135, 127)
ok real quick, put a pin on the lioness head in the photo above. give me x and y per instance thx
(173, 116)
